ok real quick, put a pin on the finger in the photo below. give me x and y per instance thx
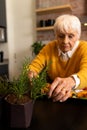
(60, 95)
(52, 87)
(63, 91)
(35, 74)
(30, 75)
(58, 89)
(65, 97)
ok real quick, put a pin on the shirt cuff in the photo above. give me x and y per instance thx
(77, 80)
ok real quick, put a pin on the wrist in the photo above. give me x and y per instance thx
(77, 80)
(73, 82)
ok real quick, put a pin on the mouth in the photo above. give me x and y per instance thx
(65, 46)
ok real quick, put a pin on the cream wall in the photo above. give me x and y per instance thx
(21, 32)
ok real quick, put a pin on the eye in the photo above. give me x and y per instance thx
(71, 36)
(61, 36)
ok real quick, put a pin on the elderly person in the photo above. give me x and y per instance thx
(68, 54)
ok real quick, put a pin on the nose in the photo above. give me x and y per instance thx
(66, 39)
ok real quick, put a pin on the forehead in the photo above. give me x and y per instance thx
(68, 32)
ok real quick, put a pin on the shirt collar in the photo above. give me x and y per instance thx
(69, 53)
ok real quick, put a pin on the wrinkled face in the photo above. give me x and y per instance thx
(67, 40)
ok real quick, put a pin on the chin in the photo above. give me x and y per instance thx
(65, 50)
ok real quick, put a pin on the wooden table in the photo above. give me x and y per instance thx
(68, 115)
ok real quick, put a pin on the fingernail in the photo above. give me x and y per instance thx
(54, 100)
(48, 96)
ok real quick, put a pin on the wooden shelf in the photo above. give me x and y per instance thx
(5, 61)
(54, 9)
(44, 28)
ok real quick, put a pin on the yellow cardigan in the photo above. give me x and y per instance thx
(77, 64)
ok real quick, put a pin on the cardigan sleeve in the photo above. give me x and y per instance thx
(82, 73)
(42, 59)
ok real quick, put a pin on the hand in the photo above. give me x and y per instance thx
(32, 74)
(60, 89)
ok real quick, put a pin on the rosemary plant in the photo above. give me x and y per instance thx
(38, 83)
(20, 86)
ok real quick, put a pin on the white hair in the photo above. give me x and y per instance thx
(65, 23)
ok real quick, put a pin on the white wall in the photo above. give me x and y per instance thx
(21, 32)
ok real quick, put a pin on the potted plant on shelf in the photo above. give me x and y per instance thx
(37, 46)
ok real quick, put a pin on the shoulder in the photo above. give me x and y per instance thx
(83, 44)
(50, 47)
(52, 44)
(82, 48)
